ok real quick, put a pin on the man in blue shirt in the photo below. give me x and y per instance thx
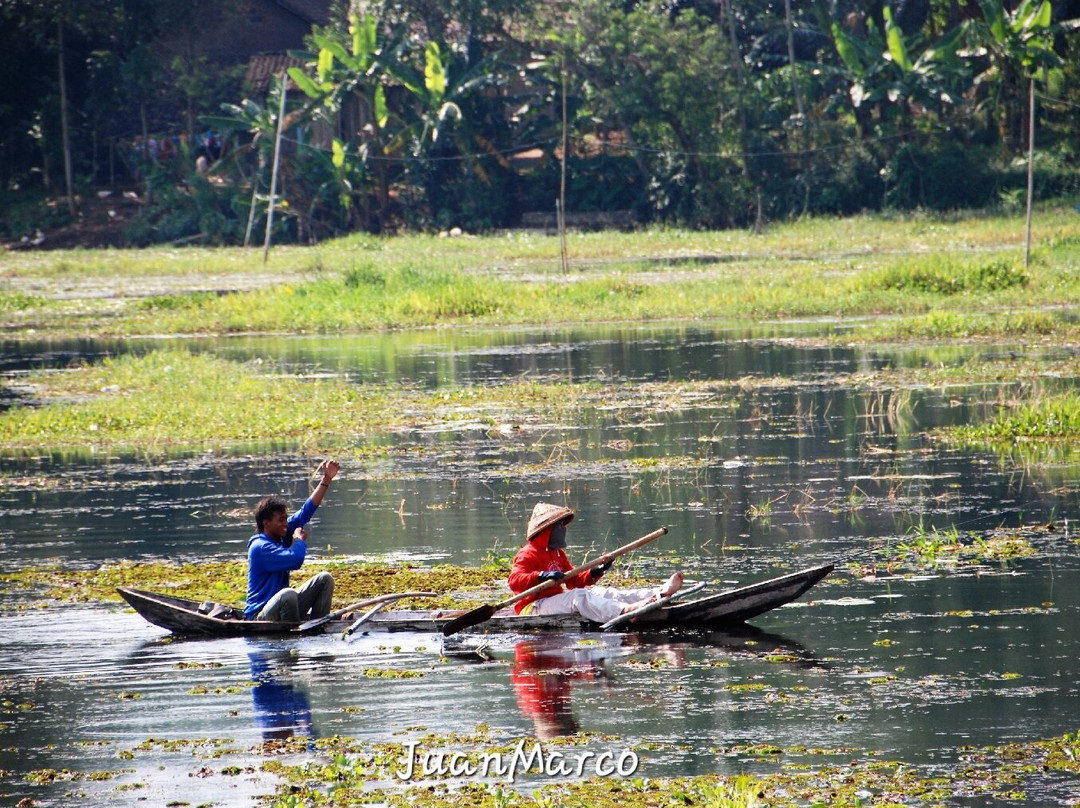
(279, 548)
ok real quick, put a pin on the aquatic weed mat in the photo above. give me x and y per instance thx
(1044, 771)
(341, 773)
(173, 402)
(50, 585)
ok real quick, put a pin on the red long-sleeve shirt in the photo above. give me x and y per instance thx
(536, 557)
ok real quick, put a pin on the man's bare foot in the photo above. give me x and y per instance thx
(673, 585)
(640, 604)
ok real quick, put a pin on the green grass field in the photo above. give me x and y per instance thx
(938, 278)
(894, 279)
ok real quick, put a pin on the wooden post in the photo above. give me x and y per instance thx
(274, 172)
(251, 209)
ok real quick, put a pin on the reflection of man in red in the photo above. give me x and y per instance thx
(542, 684)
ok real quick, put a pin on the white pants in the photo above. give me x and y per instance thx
(596, 603)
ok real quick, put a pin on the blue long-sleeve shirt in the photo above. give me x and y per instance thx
(270, 563)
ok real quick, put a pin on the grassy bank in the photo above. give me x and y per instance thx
(911, 267)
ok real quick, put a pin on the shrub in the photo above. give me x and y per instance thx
(950, 278)
(24, 213)
(852, 184)
(943, 176)
(364, 274)
(195, 208)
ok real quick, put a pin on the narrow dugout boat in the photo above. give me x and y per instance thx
(727, 608)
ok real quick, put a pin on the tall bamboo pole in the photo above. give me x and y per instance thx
(1031, 169)
(65, 133)
(274, 173)
(561, 218)
(791, 57)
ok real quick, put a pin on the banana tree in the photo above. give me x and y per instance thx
(356, 73)
(433, 123)
(1014, 46)
(897, 72)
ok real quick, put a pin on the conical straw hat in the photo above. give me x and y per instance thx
(545, 515)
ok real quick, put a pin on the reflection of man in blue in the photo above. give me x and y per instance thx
(281, 710)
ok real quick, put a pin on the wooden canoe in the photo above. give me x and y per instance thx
(727, 608)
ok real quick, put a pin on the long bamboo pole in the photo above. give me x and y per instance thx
(561, 217)
(791, 58)
(1031, 170)
(65, 129)
(274, 172)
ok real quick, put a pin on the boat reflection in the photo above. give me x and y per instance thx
(747, 640)
(545, 670)
(282, 709)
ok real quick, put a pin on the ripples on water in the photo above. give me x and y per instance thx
(911, 668)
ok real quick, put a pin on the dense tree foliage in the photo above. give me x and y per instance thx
(473, 113)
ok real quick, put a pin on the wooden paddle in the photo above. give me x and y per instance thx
(370, 613)
(318, 621)
(481, 614)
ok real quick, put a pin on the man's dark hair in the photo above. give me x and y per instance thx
(266, 508)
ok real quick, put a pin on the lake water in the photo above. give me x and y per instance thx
(911, 668)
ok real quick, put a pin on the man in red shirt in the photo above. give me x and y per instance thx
(544, 558)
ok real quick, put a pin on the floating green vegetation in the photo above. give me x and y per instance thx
(745, 687)
(391, 673)
(172, 397)
(935, 547)
(216, 690)
(781, 658)
(882, 680)
(226, 581)
(1051, 419)
(176, 402)
(942, 324)
(752, 750)
(197, 665)
(43, 776)
(761, 511)
(799, 778)
(211, 745)
(651, 662)
(173, 401)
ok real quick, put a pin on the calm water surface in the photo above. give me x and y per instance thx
(909, 668)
